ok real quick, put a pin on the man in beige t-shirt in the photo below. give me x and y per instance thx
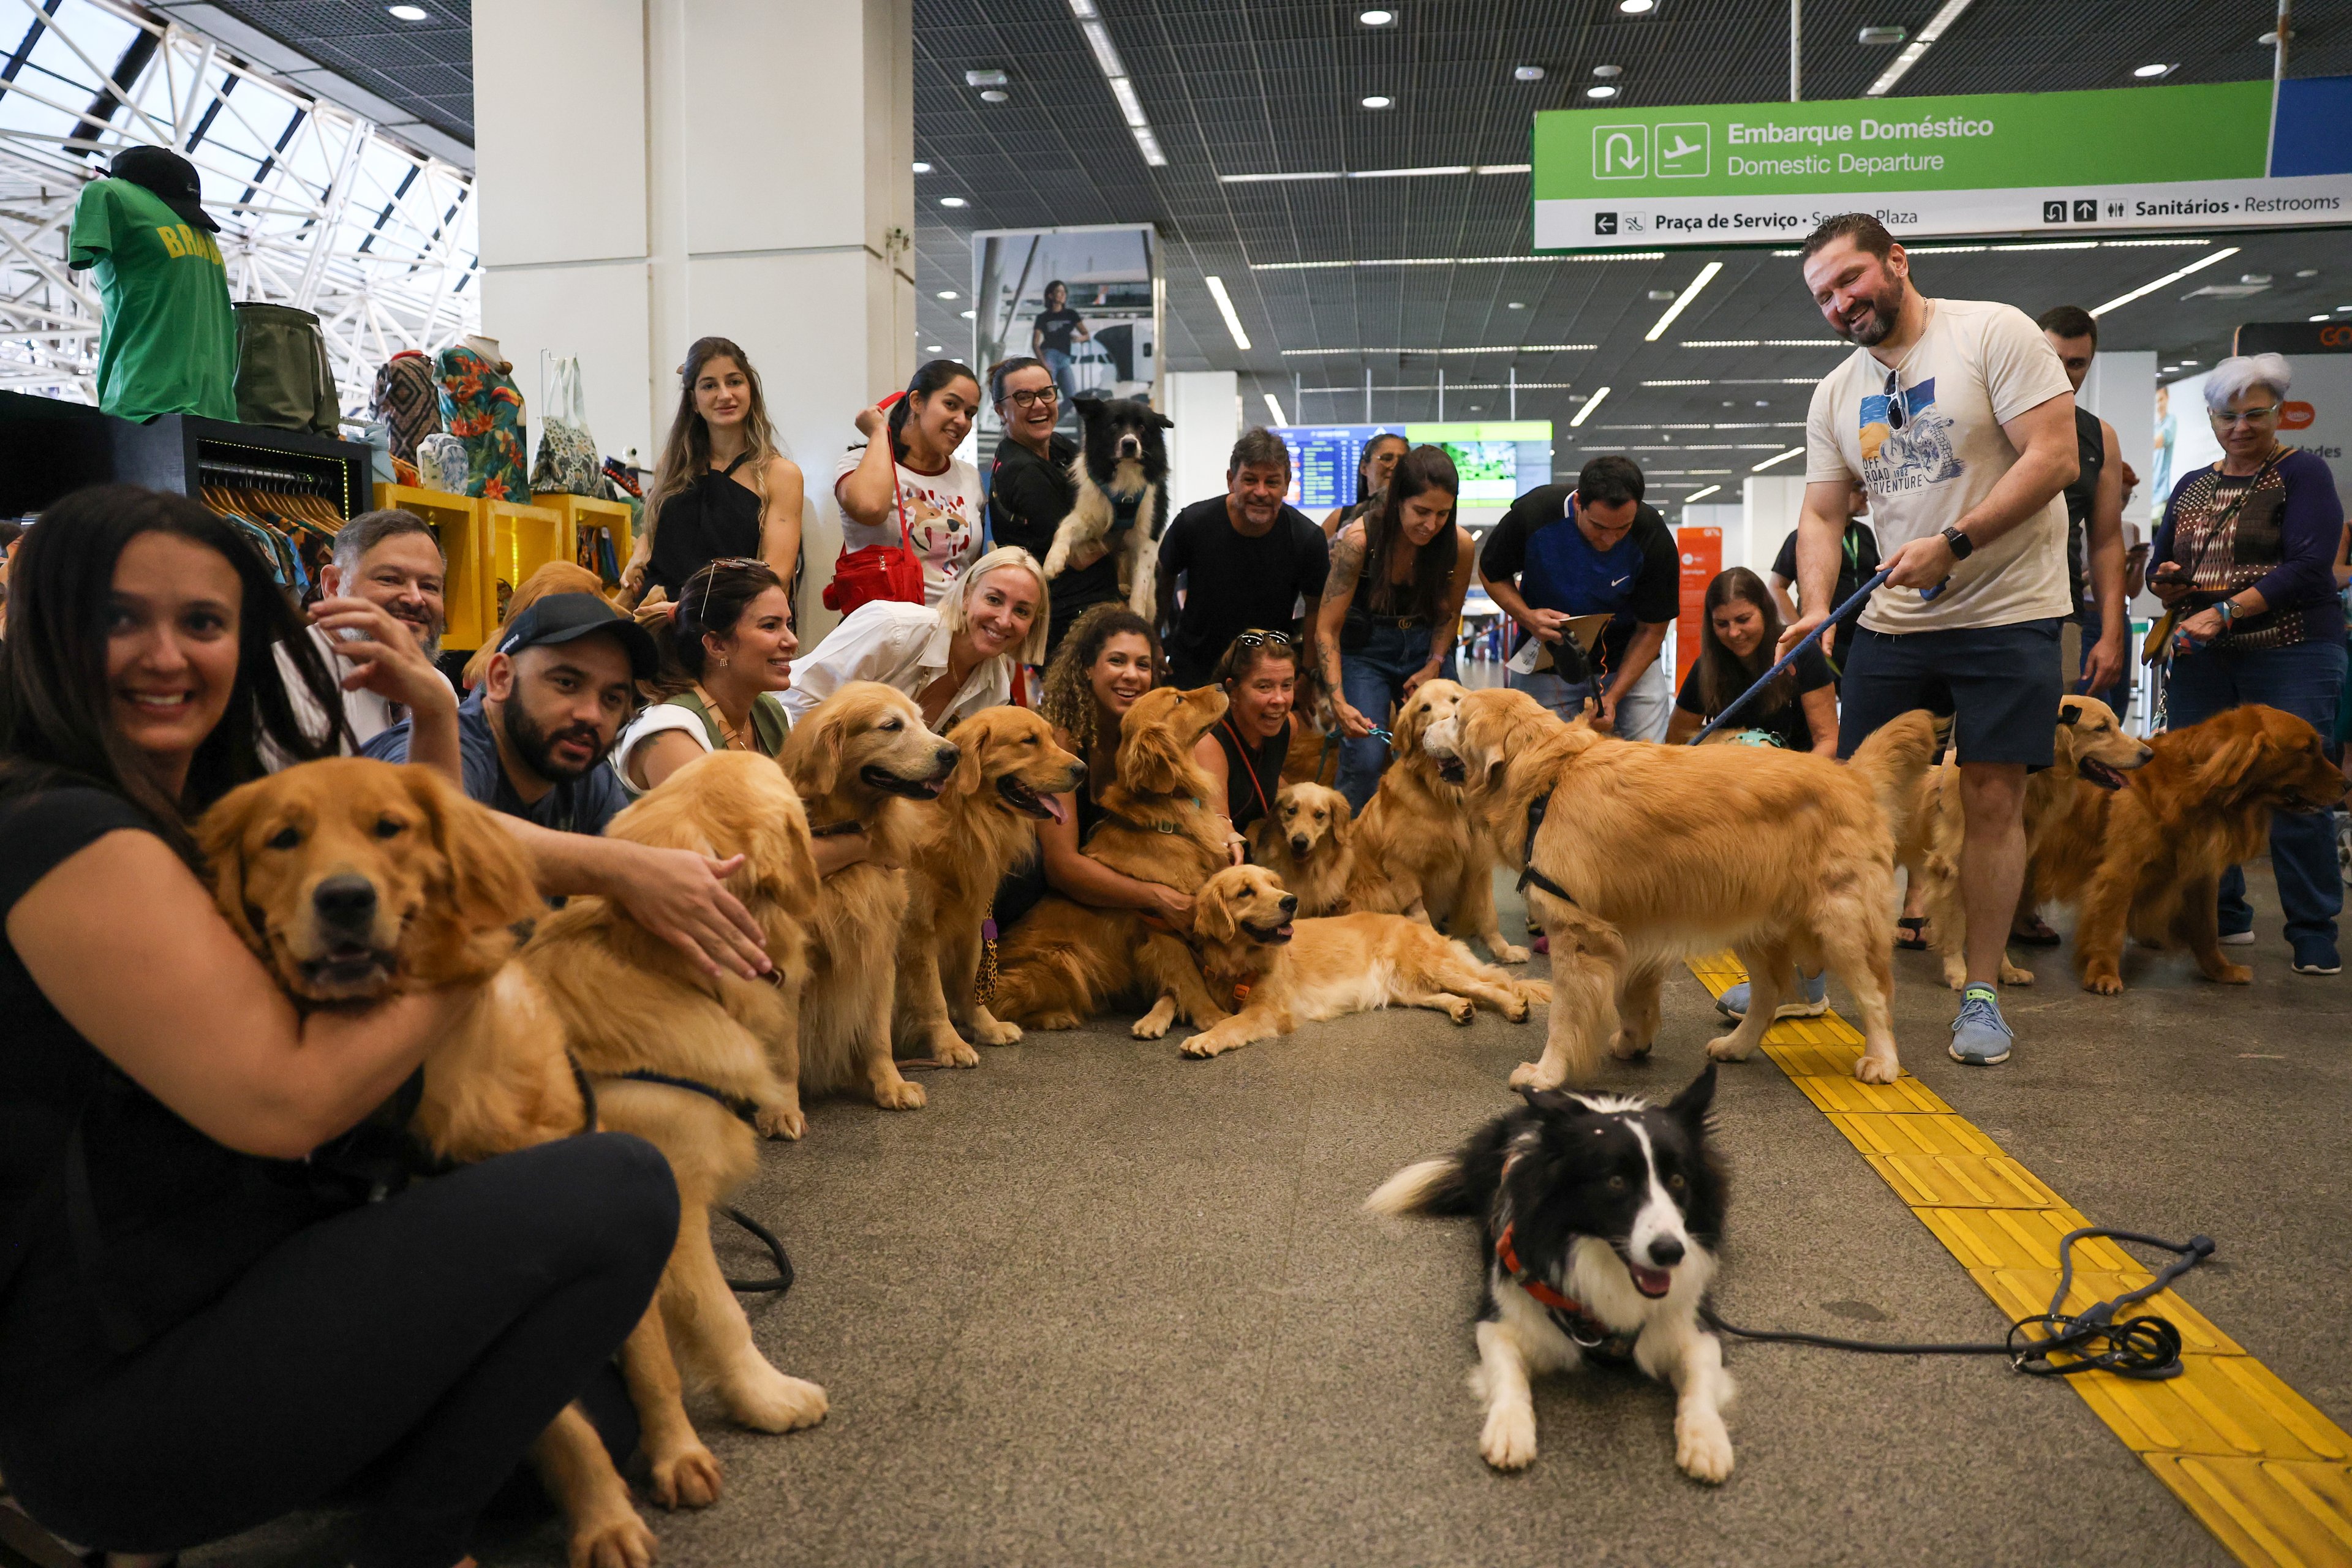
(1958, 417)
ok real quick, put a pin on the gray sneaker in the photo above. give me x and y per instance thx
(1813, 998)
(1979, 1038)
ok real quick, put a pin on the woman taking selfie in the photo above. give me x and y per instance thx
(1030, 492)
(217, 1333)
(1381, 456)
(1244, 754)
(1737, 640)
(953, 660)
(721, 488)
(906, 487)
(1398, 575)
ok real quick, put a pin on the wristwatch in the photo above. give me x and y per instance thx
(1962, 545)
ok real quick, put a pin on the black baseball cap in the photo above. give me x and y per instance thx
(170, 177)
(568, 618)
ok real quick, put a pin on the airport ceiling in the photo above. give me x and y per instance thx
(1275, 87)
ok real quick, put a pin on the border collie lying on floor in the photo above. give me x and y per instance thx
(1597, 1216)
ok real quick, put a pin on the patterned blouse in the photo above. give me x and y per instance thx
(481, 407)
(2275, 532)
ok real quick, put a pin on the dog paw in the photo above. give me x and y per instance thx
(780, 1121)
(953, 1052)
(1057, 1021)
(1506, 954)
(1509, 1441)
(614, 1544)
(2105, 981)
(1727, 1049)
(1877, 1070)
(1460, 1009)
(1629, 1046)
(996, 1032)
(1518, 1010)
(768, 1401)
(688, 1478)
(900, 1095)
(1208, 1043)
(1531, 1075)
(1956, 976)
(2010, 974)
(2234, 975)
(1154, 1024)
(1703, 1449)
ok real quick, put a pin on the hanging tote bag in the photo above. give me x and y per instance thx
(877, 571)
(568, 462)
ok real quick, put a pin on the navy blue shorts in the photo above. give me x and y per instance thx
(2000, 685)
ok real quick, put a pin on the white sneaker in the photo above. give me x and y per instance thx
(2237, 939)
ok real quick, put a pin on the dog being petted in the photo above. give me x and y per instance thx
(1600, 1215)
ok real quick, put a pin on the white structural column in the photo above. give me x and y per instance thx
(651, 171)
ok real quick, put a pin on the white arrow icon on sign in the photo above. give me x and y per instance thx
(1620, 152)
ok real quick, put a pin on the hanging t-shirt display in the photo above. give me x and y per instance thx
(169, 343)
(942, 520)
(483, 410)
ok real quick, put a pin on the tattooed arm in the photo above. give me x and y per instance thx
(1339, 592)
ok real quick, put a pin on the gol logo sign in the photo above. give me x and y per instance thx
(2296, 417)
(2335, 335)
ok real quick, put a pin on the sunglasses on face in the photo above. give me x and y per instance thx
(2246, 416)
(1025, 400)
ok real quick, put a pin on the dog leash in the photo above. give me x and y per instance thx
(2147, 1348)
(1860, 595)
(745, 1112)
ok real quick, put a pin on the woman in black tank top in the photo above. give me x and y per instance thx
(722, 490)
(1244, 754)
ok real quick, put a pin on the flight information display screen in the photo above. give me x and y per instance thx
(1497, 462)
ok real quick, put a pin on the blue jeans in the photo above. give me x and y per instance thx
(1373, 679)
(1057, 365)
(1642, 713)
(2305, 679)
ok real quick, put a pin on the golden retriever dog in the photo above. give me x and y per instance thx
(1640, 854)
(1307, 843)
(354, 880)
(723, 1051)
(2091, 750)
(1281, 971)
(1007, 776)
(1064, 962)
(1314, 754)
(2146, 861)
(862, 762)
(1420, 850)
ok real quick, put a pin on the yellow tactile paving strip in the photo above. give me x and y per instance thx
(2257, 1464)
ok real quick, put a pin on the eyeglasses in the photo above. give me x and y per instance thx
(1025, 400)
(2245, 416)
(1899, 413)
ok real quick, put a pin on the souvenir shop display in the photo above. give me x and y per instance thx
(441, 463)
(408, 399)
(168, 343)
(483, 409)
(284, 379)
(567, 463)
(283, 512)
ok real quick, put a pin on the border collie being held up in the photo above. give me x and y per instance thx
(1121, 477)
(1598, 1219)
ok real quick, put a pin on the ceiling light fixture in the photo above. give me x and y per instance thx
(1283, 178)
(1485, 349)
(1874, 37)
(1938, 25)
(1678, 384)
(1700, 495)
(953, 202)
(1606, 72)
(989, 78)
(1380, 101)
(1226, 309)
(995, 95)
(934, 348)
(1780, 457)
(968, 315)
(408, 13)
(2174, 276)
(922, 168)
(1377, 18)
(1682, 302)
(1590, 404)
(2319, 318)
(1456, 261)
(1122, 86)
(1276, 409)
(1527, 73)
(947, 293)
(2152, 70)
(1600, 92)
(1637, 7)
(1522, 304)
(1765, 343)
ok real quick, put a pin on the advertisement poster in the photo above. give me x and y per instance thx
(1702, 553)
(2057, 164)
(1085, 300)
(1497, 461)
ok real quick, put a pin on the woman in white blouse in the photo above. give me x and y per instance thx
(953, 659)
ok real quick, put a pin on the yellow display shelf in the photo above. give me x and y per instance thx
(469, 596)
(522, 539)
(586, 515)
(2257, 1464)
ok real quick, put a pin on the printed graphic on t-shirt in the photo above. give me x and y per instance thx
(942, 533)
(1911, 458)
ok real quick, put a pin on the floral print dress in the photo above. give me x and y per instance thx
(481, 407)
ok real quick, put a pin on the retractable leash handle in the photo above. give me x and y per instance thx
(1860, 595)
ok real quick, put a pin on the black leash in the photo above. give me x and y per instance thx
(2147, 1348)
(1785, 659)
(1537, 808)
(745, 1112)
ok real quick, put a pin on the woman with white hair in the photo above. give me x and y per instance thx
(2247, 555)
(953, 659)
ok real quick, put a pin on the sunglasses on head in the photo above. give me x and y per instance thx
(726, 563)
(1256, 637)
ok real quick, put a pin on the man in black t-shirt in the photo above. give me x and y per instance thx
(1248, 560)
(1595, 550)
(1857, 565)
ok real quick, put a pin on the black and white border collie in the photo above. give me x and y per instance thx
(1598, 1219)
(1120, 474)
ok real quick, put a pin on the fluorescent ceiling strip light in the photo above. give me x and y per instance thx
(1791, 452)
(1377, 174)
(1697, 495)
(2053, 245)
(1678, 384)
(1706, 276)
(1105, 52)
(1590, 404)
(1448, 261)
(1114, 71)
(1494, 349)
(1937, 26)
(2175, 275)
(1226, 309)
(1765, 343)
(1130, 106)
(1279, 416)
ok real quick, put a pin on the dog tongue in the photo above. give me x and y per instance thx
(1053, 803)
(1283, 929)
(1651, 1282)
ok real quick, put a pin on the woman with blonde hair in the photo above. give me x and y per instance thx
(722, 488)
(953, 659)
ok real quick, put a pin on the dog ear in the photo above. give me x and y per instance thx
(220, 837)
(1152, 761)
(2234, 757)
(812, 754)
(963, 780)
(489, 876)
(1550, 1103)
(1212, 915)
(1163, 422)
(2068, 715)
(1690, 1107)
(1343, 820)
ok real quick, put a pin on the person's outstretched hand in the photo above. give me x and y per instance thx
(680, 896)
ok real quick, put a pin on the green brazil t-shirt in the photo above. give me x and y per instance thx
(169, 344)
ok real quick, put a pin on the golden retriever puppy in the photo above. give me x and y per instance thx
(1307, 843)
(1420, 850)
(1281, 973)
(1007, 778)
(1064, 962)
(632, 1003)
(1640, 855)
(862, 762)
(1314, 754)
(2092, 750)
(2147, 859)
(354, 880)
